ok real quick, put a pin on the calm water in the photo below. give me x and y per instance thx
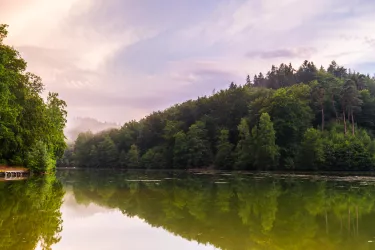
(165, 210)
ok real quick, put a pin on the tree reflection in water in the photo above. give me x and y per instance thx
(239, 211)
(30, 213)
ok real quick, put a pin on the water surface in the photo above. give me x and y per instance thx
(177, 210)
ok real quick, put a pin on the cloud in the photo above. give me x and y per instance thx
(282, 53)
(118, 60)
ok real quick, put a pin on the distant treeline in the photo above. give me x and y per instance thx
(304, 119)
(31, 129)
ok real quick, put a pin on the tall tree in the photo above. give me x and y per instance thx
(243, 150)
(307, 72)
(332, 88)
(200, 154)
(266, 152)
(26, 120)
(224, 155)
(318, 93)
(248, 80)
(349, 101)
(292, 115)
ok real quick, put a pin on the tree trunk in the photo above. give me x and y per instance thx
(343, 114)
(334, 107)
(353, 129)
(322, 118)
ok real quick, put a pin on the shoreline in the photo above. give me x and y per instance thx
(10, 169)
(211, 171)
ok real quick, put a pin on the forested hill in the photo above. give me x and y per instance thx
(31, 129)
(305, 118)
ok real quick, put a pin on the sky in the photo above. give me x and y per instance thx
(118, 60)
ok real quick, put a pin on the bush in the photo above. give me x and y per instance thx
(350, 153)
(39, 160)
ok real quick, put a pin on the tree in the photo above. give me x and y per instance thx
(94, 161)
(319, 97)
(133, 157)
(248, 80)
(200, 154)
(266, 152)
(39, 160)
(82, 148)
(180, 151)
(56, 117)
(336, 70)
(3, 32)
(366, 118)
(349, 102)
(224, 156)
(123, 159)
(292, 115)
(332, 88)
(153, 159)
(26, 120)
(243, 150)
(108, 153)
(307, 72)
(311, 153)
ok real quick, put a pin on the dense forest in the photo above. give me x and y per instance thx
(305, 119)
(31, 127)
(239, 211)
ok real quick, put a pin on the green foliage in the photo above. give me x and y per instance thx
(311, 152)
(107, 152)
(266, 152)
(68, 158)
(198, 146)
(132, 158)
(123, 159)
(348, 153)
(224, 155)
(26, 120)
(291, 115)
(333, 150)
(153, 159)
(243, 151)
(83, 148)
(39, 160)
(180, 152)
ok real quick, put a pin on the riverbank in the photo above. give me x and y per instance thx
(4, 169)
(283, 173)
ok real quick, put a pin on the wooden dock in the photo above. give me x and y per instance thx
(13, 173)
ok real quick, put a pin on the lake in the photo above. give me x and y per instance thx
(107, 210)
